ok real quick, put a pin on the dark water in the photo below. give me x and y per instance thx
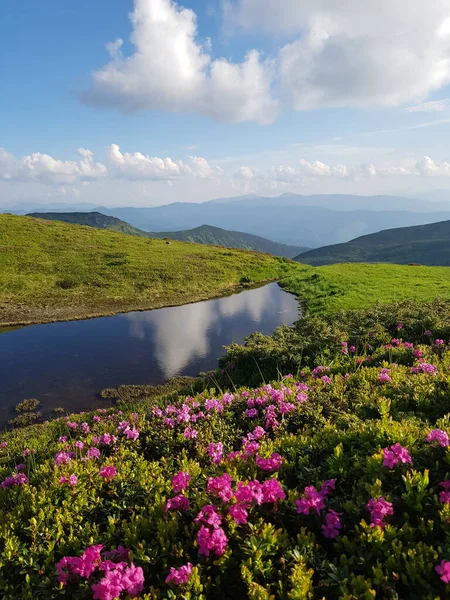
(67, 364)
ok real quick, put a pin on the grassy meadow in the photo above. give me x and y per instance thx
(51, 270)
(332, 288)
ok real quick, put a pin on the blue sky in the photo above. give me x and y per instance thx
(267, 96)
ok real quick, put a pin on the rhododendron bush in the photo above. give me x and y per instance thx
(327, 482)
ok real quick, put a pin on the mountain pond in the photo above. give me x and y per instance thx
(66, 364)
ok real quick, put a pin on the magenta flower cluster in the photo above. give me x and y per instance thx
(118, 577)
(179, 576)
(439, 436)
(314, 500)
(394, 455)
(379, 509)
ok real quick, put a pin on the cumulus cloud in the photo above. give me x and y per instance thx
(353, 53)
(428, 168)
(46, 169)
(247, 173)
(171, 69)
(320, 169)
(141, 166)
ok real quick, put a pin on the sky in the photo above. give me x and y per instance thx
(147, 102)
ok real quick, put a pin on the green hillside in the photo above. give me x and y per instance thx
(205, 234)
(424, 244)
(91, 219)
(331, 288)
(56, 271)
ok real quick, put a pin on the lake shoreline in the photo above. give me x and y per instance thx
(38, 316)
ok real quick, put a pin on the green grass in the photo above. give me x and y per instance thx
(56, 271)
(332, 288)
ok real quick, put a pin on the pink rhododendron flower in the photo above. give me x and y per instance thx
(220, 487)
(379, 509)
(332, 524)
(108, 472)
(83, 565)
(20, 467)
(179, 502)
(439, 436)
(106, 439)
(439, 342)
(190, 433)
(79, 445)
(62, 439)
(132, 434)
(327, 487)
(3, 444)
(425, 368)
(62, 458)
(93, 453)
(209, 516)
(179, 576)
(257, 433)
(318, 371)
(117, 580)
(249, 448)
(251, 412)
(444, 497)
(384, 376)
(325, 379)
(271, 464)
(313, 500)
(394, 455)
(443, 570)
(239, 514)
(272, 491)
(211, 541)
(14, 480)
(243, 494)
(215, 451)
(180, 481)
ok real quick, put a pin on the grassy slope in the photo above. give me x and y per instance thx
(56, 271)
(207, 234)
(425, 244)
(347, 286)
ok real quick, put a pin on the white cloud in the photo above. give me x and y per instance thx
(428, 168)
(435, 106)
(172, 70)
(353, 53)
(320, 169)
(141, 166)
(247, 173)
(46, 169)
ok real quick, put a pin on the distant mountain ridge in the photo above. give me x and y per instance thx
(423, 244)
(205, 234)
(305, 221)
(281, 220)
(91, 219)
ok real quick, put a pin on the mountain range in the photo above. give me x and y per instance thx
(305, 221)
(204, 234)
(423, 244)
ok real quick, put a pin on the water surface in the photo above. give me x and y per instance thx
(66, 364)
